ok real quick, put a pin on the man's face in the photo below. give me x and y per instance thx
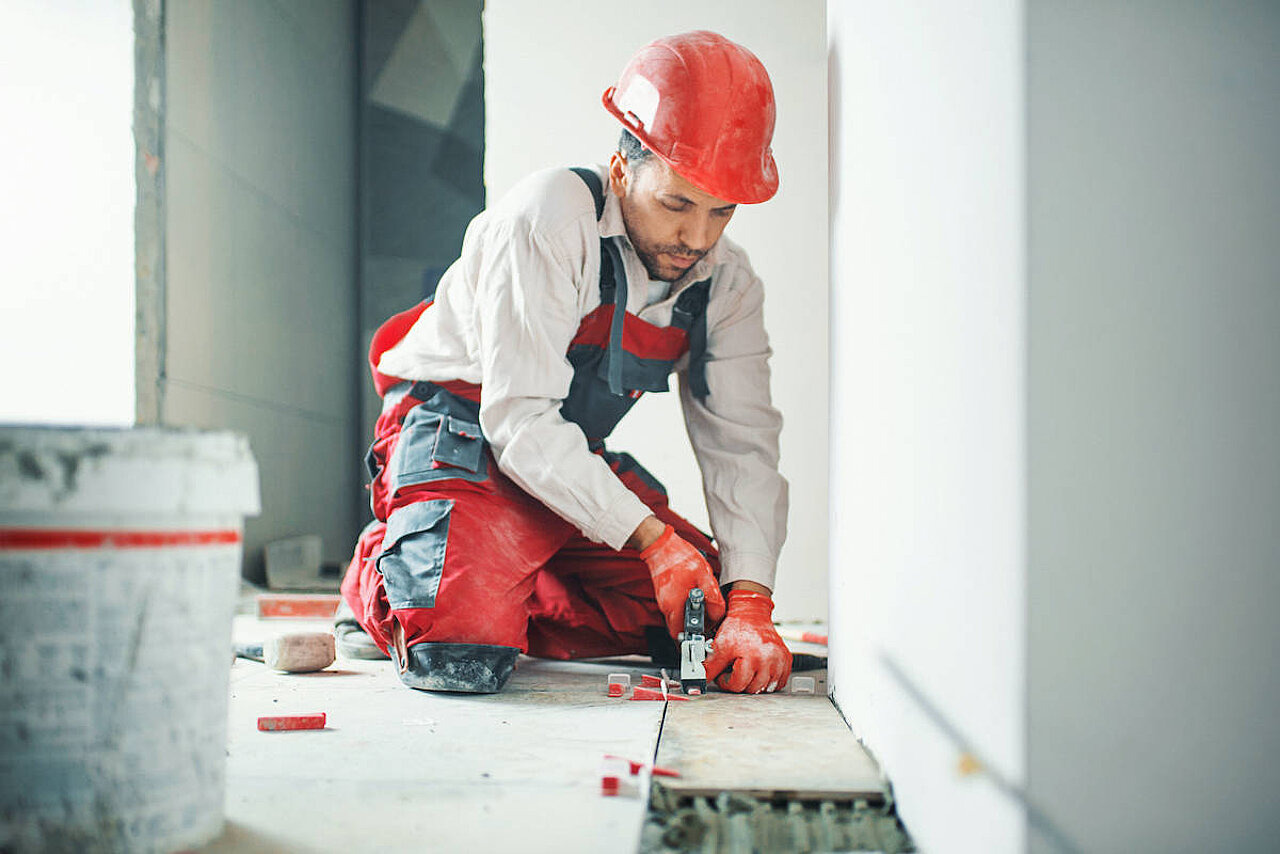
(670, 222)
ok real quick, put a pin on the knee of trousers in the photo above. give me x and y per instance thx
(442, 632)
(447, 580)
(464, 668)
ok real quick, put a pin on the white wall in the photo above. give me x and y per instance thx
(546, 65)
(927, 358)
(66, 216)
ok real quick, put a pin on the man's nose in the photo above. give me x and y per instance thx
(695, 233)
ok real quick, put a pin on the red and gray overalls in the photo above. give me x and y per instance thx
(474, 569)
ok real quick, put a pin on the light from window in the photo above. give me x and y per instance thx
(66, 212)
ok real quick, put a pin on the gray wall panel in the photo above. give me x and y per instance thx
(261, 228)
(1154, 414)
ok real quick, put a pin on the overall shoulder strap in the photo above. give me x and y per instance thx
(618, 292)
(610, 264)
(594, 184)
(613, 283)
(690, 314)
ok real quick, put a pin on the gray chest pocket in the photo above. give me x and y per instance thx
(433, 446)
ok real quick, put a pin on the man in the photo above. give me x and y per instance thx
(503, 523)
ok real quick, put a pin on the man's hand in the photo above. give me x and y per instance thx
(676, 568)
(749, 656)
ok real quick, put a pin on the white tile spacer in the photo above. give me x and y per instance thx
(802, 684)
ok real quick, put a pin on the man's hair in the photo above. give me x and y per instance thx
(632, 149)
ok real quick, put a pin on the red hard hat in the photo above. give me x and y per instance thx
(705, 106)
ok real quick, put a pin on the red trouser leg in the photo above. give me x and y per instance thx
(461, 562)
(455, 560)
(498, 542)
(362, 586)
(495, 540)
(591, 601)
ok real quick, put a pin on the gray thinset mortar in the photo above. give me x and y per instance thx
(120, 563)
(735, 823)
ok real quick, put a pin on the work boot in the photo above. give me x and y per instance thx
(353, 641)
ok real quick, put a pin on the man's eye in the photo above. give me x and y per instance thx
(674, 206)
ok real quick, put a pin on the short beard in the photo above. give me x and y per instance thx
(651, 262)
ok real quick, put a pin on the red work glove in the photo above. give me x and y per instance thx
(676, 568)
(749, 656)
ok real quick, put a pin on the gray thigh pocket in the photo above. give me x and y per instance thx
(433, 446)
(412, 558)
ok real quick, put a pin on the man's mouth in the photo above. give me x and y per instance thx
(684, 262)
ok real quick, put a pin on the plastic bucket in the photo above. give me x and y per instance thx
(120, 557)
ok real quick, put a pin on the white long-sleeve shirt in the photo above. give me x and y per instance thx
(504, 315)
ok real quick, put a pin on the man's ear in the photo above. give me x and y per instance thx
(619, 174)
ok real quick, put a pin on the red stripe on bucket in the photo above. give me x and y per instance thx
(46, 538)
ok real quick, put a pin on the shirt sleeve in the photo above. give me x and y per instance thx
(734, 432)
(526, 315)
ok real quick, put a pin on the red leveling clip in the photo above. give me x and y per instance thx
(281, 723)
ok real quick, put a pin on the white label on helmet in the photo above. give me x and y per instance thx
(640, 99)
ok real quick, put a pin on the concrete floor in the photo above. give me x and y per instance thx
(396, 769)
